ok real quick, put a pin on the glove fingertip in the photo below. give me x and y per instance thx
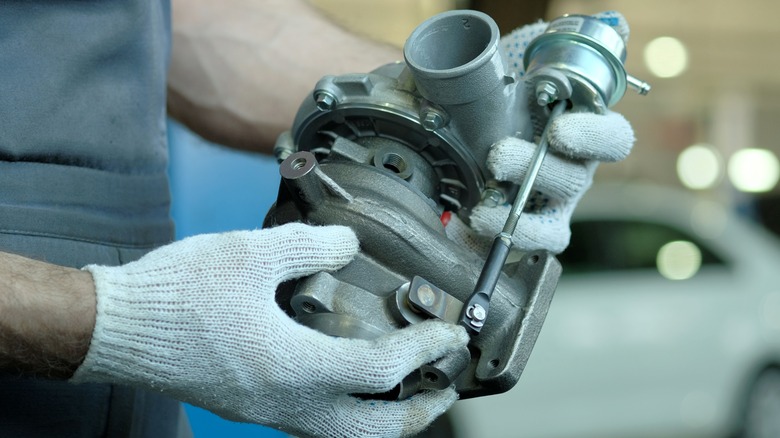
(428, 406)
(405, 418)
(489, 220)
(378, 365)
(448, 333)
(344, 234)
(336, 236)
(536, 233)
(507, 146)
(429, 340)
(463, 235)
(622, 137)
(508, 157)
(588, 136)
(302, 249)
(440, 338)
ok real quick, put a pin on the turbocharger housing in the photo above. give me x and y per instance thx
(389, 154)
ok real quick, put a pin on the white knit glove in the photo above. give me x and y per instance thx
(197, 321)
(577, 143)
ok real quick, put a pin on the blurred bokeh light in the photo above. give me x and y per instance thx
(754, 170)
(666, 57)
(679, 260)
(699, 166)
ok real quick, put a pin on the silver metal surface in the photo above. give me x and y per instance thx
(589, 53)
(434, 302)
(476, 315)
(387, 153)
(402, 237)
(638, 85)
(325, 101)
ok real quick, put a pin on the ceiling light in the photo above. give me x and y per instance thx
(699, 166)
(666, 57)
(678, 260)
(754, 170)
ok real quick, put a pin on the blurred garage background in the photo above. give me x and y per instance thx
(709, 132)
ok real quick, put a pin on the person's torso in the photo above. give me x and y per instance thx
(83, 164)
(82, 120)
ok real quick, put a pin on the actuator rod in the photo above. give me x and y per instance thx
(476, 308)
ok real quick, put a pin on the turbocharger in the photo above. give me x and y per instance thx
(391, 154)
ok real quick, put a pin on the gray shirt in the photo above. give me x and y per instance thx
(83, 161)
(82, 120)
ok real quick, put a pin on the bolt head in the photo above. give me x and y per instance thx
(492, 198)
(426, 295)
(432, 121)
(477, 314)
(325, 101)
(546, 93)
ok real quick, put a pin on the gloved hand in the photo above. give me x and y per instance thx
(197, 321)
(577, 143)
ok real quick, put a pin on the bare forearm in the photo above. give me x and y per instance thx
(240, 69)
(47, 314)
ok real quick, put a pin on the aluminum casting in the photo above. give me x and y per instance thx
(390, 153)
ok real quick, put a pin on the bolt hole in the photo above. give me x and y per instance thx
(494, 363)
(534, 259)
(308, 307)
(431, 377)
(299, 163)
(394, 163)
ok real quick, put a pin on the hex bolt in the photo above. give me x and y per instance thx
(325, 101)
(432, 120)
(546, 93)
(492, 197)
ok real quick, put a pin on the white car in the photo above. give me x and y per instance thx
(666, 322)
